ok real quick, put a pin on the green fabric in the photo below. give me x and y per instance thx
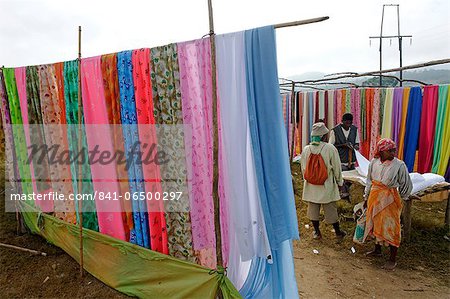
(348, 101)
(18, 132)
(37, 137)
(71, 101)
(440, 124)
(315, 140)
(128, 268)
(382, 101)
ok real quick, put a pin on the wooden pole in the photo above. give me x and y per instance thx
(215, 140)
(80, 183)
(23, 249)
(302, 22)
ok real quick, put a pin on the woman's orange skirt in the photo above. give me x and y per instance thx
(384, 207)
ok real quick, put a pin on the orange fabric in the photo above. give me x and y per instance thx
(384, 207)
(405, 102)
(112, 98)
(343, 99)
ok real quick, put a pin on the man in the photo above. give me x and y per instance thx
(388, 185)
(345, 138)
(326, 193)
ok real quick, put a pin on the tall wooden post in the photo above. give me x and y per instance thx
(79, 177)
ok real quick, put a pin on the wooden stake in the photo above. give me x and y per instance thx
(80, 183)
(215, 140)
(23, 249)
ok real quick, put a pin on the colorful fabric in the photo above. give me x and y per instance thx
(412, 127)
(112, 101)
(384, 207)
(70, 74)
(140, 233)
(397, 110)
(147, 135)
(405, 102)
(375, 127)
(440, 147)
(18, 132)
(97, 132)
(196, 93)
(272, 167)
(382, 103)
(167, 110)
(428, 128)
(386, 131)
(445, 151)
(53, 118)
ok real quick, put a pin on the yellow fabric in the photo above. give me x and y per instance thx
(445, 151)
(405, 102)
(130, 269)
(387, 120)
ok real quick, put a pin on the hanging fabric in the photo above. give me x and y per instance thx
(167, 111)
(104, 177)
(112, 101)
(405, 102)
(382, 103)
(271, 162)
(53, 120)
(386, 131)
(439, 145)
(147, 135)
(397, 107)
(70, 74)
(330, 119)
(428, 128)
(196, 93)
(18, 131)
(412, 127)
(305, 120)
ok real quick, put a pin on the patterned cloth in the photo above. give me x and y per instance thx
(165, 78)
(70, 75)
(384, 144)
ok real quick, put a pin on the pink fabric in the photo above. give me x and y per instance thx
(196, 93)
(338, 97)
(427, 128)
(104, 177)
(353, 105)
(375, 128)
(21, 82)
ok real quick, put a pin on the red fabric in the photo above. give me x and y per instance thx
(144, 107)
(427, 128)
(316, 105)
(326, 107)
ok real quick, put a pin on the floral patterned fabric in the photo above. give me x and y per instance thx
(196, 93)
(53, 116)
(147, 135)
(140, 233)
(167, 110)
(112, 100)
(70, 75)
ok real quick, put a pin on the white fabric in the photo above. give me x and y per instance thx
(331, 122)
(247, 234)
(305, 120)
(419, 181)
(321, 104)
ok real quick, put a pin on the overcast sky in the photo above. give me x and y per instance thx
(45, 31)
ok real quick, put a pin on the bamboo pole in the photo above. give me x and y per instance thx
(302, 22)
(215, 140)
(80, 183)
(23, 249)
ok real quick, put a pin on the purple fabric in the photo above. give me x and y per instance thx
(447, 173)
(397, 114)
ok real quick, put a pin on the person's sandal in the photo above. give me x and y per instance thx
(317, 236)
(373, 253)
(389, 266)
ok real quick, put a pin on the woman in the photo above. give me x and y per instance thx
(326, 193)
(388, 182)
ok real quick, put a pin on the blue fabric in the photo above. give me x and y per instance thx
(412, 127)
(140, 234)
(270, 150)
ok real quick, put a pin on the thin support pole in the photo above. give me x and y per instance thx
(302, 22)
(80, 183)
(215, 140)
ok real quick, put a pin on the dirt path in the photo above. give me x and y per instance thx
(335, 274)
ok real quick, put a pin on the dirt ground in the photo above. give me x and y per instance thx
(335, 272)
